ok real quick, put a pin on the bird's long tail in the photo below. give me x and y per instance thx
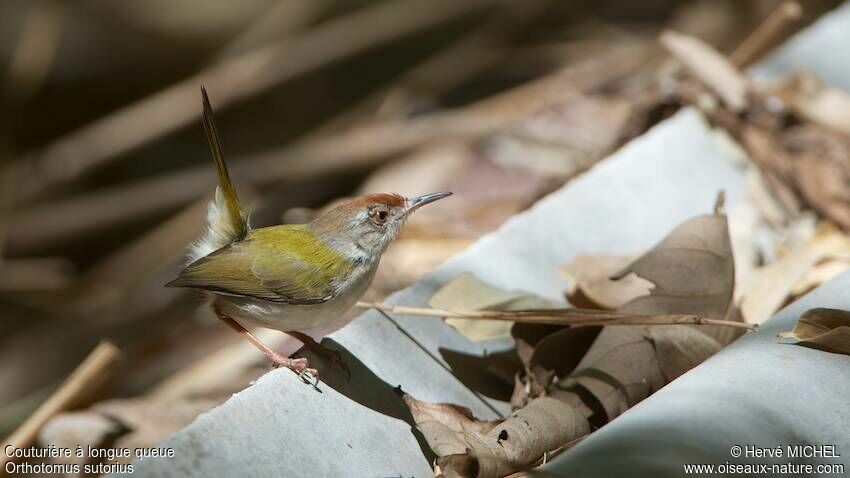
(226, 222)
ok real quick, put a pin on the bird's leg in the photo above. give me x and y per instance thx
(299, 365)
(332, 355)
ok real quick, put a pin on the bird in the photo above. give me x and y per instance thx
(290, 277)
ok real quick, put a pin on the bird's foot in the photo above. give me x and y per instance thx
(298, 365)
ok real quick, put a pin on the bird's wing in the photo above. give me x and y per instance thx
(284, 264)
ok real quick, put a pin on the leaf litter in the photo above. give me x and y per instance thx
(576, 379)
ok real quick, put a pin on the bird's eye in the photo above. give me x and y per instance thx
(380, 215)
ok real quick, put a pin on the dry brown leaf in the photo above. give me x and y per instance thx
(679, 352)
(546, 353)
(809, 159)
(822, 329)
(469, 447)
(466, 292)
(821, 273)
(623, 366)
(581, 377)
(692, 269)
(593, 287)
(770, 287)
(447, 427)
(812, 100)
(693, 272)
(772, 209)
(627, 364)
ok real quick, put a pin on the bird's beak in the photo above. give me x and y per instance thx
(419, 201)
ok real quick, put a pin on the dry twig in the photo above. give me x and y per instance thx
(766, 35)
(567, 316)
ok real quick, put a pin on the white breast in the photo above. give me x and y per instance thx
(286, 317)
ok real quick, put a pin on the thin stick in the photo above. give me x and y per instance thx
(86, 377)
(568, 316)
(767, 34)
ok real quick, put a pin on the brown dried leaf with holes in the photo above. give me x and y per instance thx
(562, 396)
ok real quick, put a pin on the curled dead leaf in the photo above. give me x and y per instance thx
(770, 287)
(822, 329)
(447, 428)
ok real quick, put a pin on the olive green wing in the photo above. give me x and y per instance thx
(284, 264)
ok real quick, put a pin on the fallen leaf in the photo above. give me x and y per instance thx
(593, 287)
(822, 329)
(446, 427)
(491, 375)
(692, 269)
(815, 101)
(557, 355)
(466, 292)
(693, 272)
(623, 366)
(770, 287)
(680, 351)
(578, 378)
(472, 448)
(824, 271)
(810, 159)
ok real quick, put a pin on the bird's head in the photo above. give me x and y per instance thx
(363, 227)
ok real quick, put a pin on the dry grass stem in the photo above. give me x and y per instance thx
(567, 316)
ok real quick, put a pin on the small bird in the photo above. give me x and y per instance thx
(289, 277)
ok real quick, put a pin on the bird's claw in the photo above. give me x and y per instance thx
(310, 376)
(298, 365)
